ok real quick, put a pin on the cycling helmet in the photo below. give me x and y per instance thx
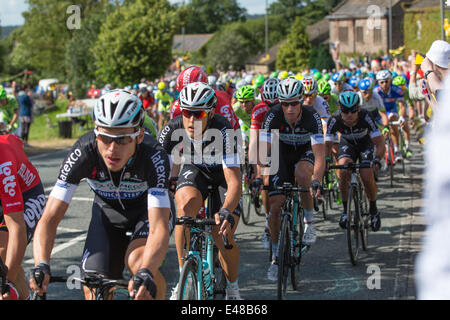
(274, 74)
(172, 84)
(118, 109)
(399, 81)
(384, 75)
(259, 80)
(245, 93)
(161, 85)
(309, 85)
(348, 99)
(2, 93)
(269, 91)
(323, 87)
(317, 75)
(190, 75)
(198, 96)
(290, 89)
(337, 76)
(283, 75)
(248, 78)
(136, 86)
(299, 76)
(353, 81)
(326, 76)
(212, 80)
(371, 75)
(241, 83)
(394, 74)
(366, 84)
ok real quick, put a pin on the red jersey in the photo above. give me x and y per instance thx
(17, 174)
(223, 108)
(258, 113)
(147, 103)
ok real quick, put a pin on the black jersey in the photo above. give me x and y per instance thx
(142, 182)
(217, 149)
(306, 132)
(365, 128)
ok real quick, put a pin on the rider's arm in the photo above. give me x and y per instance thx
(380, 146)
(17, 242)
(234, 187)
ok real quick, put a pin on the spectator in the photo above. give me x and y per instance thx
(435, 68)
(25, 114)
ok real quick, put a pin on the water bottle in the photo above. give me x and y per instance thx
(206, 276)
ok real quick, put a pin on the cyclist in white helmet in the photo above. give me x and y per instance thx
(129, 174)
(311, 99)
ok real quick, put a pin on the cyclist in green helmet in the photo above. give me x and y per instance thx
(317, 76)
(258, 81)
(401, 82)
(245, 97)
(274, 75)
(324, 90)
(326, 77)
(9, 111)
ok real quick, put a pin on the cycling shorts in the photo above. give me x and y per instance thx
(34, 203)
(363, 151)
(193, 176)
(286, 171)
(107, 240)
(164, 106)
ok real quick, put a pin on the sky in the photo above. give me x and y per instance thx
(10, 10)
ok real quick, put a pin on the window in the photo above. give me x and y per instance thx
(377, 35)
(343, 34)
(359, 34)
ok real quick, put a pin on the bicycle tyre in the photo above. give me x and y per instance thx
(364, 223)
(246, 204)
(283, 258)
(220, 281)
(257, 204)
(390, 163)
(353, 226)
(297, 249)
(188, 284)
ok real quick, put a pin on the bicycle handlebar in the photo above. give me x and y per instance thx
(287, 188)
(352, 165)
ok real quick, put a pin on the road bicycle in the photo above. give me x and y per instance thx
(290, 248)
(202, 276)
(251, 197)
(357, 227)
(332, 194)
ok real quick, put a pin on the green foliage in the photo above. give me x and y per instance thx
(207, 16)
(431, 29)
(320, 58)
(135, 42)
(294, 54)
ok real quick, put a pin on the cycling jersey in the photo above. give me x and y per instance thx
(258, 114)
(7, 111)
(390, 98)
(346, 87)
(17, 174)
(209, 157)
(322, 108)
(164, 99)
(242, 114)
(333, 103)
(143, 182)
(21, 189)
(223, 108)
(373, 106)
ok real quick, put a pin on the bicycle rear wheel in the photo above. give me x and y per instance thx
(188, 285)
(220, 281)
(353, 226)
(283, 258)
(364, 223)
(257, 203)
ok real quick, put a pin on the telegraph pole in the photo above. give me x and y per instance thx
(267, 29)
(442, 20)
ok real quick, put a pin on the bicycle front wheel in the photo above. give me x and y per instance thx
(284, 258)
(188, 284)
(246, 203)
(353, 226)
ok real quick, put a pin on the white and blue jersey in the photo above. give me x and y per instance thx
(390, 99)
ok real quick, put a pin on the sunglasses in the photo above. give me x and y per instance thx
(383, 82)
(364, 91)
(122, 139)
(201, 114)
(287, 104)
(347, 111)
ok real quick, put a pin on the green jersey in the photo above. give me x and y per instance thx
(7, 111)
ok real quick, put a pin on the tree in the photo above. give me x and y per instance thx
(320, 58)
(135, 42)
(310, 11)
(294, 54)
(207, 16)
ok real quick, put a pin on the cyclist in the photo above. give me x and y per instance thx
(128, 172)
(22, 201)
(243, 109)
(195, 74)
(372, 102)
(216, 166)
(301, 157)
(269, 97)
(311, 99)
(338, 83)
(163, 100)
(9, 110)
(324, 90)
(391, 95)
(360, 139)
(401, 82)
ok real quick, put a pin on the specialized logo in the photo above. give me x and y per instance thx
(8, 182)
(70, 162)
(187, 174)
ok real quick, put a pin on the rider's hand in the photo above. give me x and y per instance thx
(257, 184)
(42, 269)
(145, 285)
(225, 220)
(385, 131)
(377, 162)
(316, 189)
(402, 121)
